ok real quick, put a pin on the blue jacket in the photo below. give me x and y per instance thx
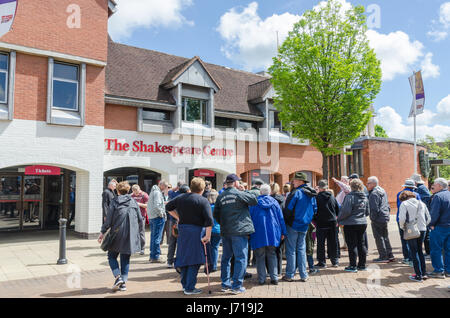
(216, 227)
(400, 202)
(425, 195)
(305, 208)
(440, 209)
(268, 222)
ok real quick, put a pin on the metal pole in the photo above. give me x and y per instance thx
(415, 143)
(62, 242)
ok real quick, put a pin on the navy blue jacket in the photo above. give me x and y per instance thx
(440, 209)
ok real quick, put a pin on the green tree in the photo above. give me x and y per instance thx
(326, 77)
(442, 150)
(380, 132)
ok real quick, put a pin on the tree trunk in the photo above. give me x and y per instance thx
(325, 166)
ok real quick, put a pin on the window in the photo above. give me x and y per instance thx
(4, 78)
(244, 124)
(354, 163)
(334, 166)
(194, 110)
(274, 121)
(223, 122)
(65, 86)
(152, 114)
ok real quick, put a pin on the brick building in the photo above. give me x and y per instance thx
(80, 109)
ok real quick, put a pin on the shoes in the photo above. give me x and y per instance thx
(320, 265)
(193, 292)
(447, 274)
(304, 280)
(362, 269)
(169, 265)
(415, 278)
(157, 261)
(335, 265)
(381, 260)
(405, 261)
(351, 269)
(392, 259)
(247, 276)
(261, 283)
(436, 275)
(238, 291)
(287, 279)
(142, 252)
(274, 282)
(118, 283)
(313, 271)
(427, 257)
(225, 289)
(123, 287)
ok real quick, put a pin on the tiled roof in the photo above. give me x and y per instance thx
(139, 73)
(258, 90)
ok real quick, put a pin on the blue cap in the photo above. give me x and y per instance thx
(232, 178)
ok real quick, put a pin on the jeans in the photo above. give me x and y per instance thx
(328, 234)
(156, 228)
(215, 243)
(124, 264)
(295, 251)
(405, 247)
(426, 242)
(354, 236)
(142, 234)
(189, 277)
(172, 244)
(261, 254)
(381, 235)
(440, 241)
(237, 246)
(418, 259)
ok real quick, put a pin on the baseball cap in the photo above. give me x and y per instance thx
(354, 176)
(232, 178)
(258, 182)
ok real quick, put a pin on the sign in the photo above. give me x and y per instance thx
(204, 173)
(7, 13)
(418, 93)
(156, 147)
(42, 171)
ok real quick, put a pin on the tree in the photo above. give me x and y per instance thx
(442, 150)
(380, 132)
(326, 77)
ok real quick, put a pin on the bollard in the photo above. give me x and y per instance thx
(62, 242)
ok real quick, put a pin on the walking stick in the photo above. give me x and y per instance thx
(207, 269)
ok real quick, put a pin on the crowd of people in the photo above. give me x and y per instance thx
(275, 224)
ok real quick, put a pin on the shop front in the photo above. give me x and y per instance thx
(36, 197)
(145, 178)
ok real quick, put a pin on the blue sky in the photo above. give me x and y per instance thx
(407, 35)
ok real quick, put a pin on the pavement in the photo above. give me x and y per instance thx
(28, 270)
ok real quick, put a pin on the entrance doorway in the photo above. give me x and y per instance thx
(146, 179)
(207, 175)
(35, 201)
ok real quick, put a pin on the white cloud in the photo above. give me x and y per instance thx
(444, 14)
(437, 36)
(393, 123)
(443, 107)
(250, 40)
(429, 70)
(135, 14)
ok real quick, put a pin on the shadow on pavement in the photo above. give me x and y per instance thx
(78, 293)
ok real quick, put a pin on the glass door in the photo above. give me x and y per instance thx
(33, 208)
(10, 202)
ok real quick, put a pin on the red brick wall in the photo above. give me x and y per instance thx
(30, 92)
(291, 158)
(43, 25)
(392, 162)
(120, 117)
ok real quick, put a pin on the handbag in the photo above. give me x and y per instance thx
(411, 230)
(108, 239)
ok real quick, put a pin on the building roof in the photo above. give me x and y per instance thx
(140, 74)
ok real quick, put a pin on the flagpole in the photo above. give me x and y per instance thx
(415, 141)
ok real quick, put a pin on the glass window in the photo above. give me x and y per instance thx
(223, 122)
(152, 114)
(65, 86)
(194, 110)
(3, 78)
(244, 124)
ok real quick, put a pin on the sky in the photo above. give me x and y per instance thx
(407, 36)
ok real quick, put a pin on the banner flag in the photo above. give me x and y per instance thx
(418, 93)
(7, 15)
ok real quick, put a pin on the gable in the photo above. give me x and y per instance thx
(196, 75)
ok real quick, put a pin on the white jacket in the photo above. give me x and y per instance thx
(412, 206)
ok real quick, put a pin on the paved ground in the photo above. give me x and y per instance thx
(28, 269)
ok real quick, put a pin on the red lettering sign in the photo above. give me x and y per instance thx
(42, 171)
(204, 173)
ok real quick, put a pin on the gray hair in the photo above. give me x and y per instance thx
(442, 182)
(265, 189)
(163, 183)
(373, 179)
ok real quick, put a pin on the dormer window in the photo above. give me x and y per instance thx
(244, 124)
(194, 110)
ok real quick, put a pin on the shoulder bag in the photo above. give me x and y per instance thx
(411, 230)
(108, 239)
